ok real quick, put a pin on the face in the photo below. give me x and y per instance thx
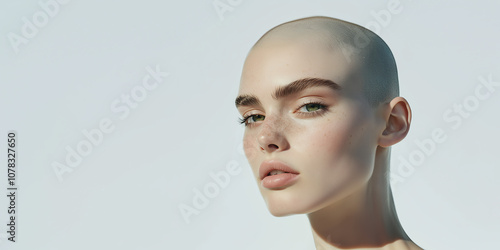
(327, 136)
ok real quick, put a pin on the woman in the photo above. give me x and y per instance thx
(319, 100)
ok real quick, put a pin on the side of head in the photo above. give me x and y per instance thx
(319, 95)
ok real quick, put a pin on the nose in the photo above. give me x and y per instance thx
(271, 136)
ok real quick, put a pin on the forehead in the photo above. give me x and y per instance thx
(281, 61)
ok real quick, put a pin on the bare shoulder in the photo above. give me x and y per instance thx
(403, 244)
(412, 246)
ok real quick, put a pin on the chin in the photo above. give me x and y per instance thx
(280, 212)
(280, 208)
(288, 201)
(284, 207)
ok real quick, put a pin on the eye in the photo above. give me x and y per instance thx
(247, 120)
(307, 109)
(312, 108)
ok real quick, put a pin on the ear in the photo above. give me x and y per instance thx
(397, 122)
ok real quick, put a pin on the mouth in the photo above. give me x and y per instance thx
(275, 174)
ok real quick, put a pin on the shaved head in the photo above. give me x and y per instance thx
(357, 44)
(319, 99)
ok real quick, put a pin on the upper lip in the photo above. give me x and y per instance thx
(267, 166)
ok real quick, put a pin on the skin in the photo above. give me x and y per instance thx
(341, 148)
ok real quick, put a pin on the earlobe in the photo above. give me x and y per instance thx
(397, 122)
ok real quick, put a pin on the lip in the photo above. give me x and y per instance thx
(280, 180)
(267, 166)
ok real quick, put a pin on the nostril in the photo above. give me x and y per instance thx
(270, 146)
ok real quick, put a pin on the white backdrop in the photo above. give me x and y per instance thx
(124, 113)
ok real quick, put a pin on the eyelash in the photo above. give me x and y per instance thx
(321, 111)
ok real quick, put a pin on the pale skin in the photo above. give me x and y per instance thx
(337, 141)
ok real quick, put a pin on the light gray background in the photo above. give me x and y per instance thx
(126, 193)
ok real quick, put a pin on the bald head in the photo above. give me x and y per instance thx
(357, 44)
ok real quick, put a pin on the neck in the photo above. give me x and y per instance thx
(365, 219)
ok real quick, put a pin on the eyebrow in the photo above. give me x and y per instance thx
(287, 90)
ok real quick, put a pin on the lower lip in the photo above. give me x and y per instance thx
(279, 180)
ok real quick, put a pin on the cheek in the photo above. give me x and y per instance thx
(340, 149)
(326, 140)
(350, 141)
(250, 147)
